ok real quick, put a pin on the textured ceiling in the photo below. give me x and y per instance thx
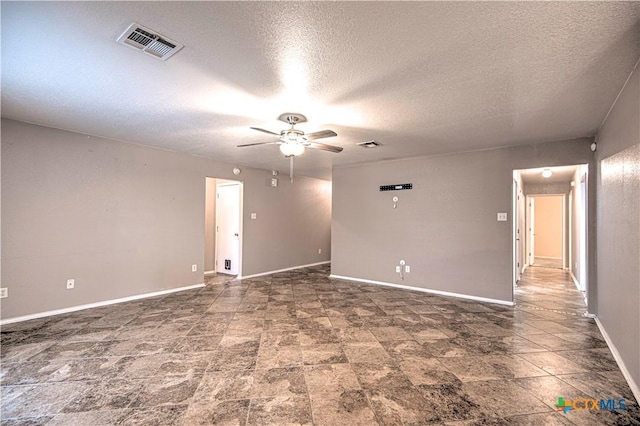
(561, 174)
(422, 78)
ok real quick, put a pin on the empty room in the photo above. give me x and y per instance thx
(320, 213)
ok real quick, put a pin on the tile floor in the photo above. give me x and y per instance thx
(300, 348)
(546, 262)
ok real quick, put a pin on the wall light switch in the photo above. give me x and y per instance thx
(194, 268)
(407, 268)
(274, 182)
(4, 292)
(398, 269)
(254, 216)
(502, 217)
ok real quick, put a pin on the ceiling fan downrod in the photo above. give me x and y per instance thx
(291, 167)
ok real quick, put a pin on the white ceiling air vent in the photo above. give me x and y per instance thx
(369, 144)
(149, 42)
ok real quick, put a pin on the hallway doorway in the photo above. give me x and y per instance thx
(547, 235)
(223, 229)
(550, 222)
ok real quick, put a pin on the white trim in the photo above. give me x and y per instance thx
(564, 230)
(525, 266)
(575, 281)
(209, 272)
(426, 290)
(240, 184)
(97, 304)
(282, 270)
(547, 257)
(584, 293)
(616, 355)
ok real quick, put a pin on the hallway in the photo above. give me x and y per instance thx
(549, 289)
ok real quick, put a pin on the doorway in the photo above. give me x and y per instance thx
(550, 222)
(223, 227)
(547, 231)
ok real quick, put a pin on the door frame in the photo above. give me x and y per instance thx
(582, 229)
(532, 230)
(226, 182)
(519, 263)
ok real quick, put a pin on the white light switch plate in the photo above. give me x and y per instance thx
(502, 217)
(254, 215)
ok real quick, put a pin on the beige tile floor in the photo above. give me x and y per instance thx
(300, 348)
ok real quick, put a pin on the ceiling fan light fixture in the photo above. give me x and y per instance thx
(546, 173)
(289, 149)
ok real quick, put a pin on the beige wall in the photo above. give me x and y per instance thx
(548, 226)
(125, 220)
(445, 228)
(618, 231)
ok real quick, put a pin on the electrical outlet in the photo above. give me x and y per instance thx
(254, 216)
(407, 268)
(319, 251)
(502, 217)
(194, 268)
(71, 284)
(4, 292)
(398, 269)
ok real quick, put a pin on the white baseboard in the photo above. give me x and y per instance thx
(524, 268)
(282, 270)
(635, 388)
(584, 293)
(575, 280)
(209, 272)
(426, 290)
(549, 257)
(97, 304)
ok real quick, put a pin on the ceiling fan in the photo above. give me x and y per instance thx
(293, 141)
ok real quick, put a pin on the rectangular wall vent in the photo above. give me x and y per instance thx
(149, 42)
(369, 144)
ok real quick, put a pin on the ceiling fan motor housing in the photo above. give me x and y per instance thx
(292, 136)
(292, 118)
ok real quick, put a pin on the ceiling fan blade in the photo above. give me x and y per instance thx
(324, 147)
(260, 143)
(265, 131)
(319, 135)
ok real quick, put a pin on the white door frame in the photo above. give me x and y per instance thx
(518, 233)
(224, 182)
(570, 231)
(530, 224)
(584, 216)
(564, 224)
